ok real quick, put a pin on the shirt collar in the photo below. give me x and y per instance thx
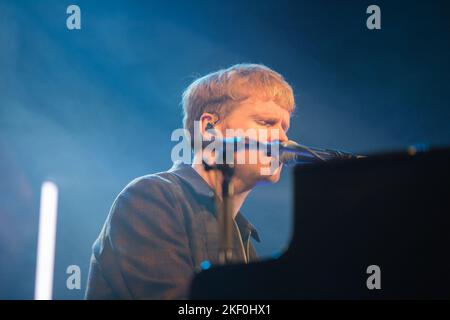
(199, 185)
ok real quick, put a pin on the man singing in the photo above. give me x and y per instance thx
(162, 228)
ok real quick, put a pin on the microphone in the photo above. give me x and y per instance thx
(292, 153)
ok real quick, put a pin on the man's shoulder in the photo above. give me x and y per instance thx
(164, 179)
(145, 198)
(160, 182)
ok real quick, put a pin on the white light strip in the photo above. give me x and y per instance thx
(46, 242)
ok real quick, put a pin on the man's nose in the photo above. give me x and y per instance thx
(283, 136)
(278, 135)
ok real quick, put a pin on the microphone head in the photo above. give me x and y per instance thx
(286, 157)
(290, 144)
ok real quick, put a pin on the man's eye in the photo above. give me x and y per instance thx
(266, 123)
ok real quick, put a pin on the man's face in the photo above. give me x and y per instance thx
(258, 115)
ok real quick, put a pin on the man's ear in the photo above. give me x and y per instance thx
(208, 122)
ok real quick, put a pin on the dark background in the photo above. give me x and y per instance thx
(92, 109)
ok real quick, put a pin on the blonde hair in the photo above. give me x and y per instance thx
(219, 91)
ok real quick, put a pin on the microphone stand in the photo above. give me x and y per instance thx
(224, 211)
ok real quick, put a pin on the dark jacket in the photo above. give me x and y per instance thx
(161, 230)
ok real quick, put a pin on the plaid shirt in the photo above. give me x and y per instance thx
(160, 229)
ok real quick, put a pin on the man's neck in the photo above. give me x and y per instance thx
(214, 179)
